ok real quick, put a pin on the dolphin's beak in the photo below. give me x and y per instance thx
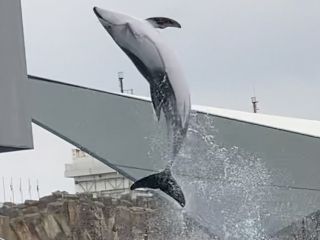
(110, 18)
(104, 18)
(96, 11)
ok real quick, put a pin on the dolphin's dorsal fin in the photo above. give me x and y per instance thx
(163, 22)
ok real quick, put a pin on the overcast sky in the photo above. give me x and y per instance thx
(225, 47)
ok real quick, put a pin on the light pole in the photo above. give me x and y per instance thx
(120, 77)
(254, 104)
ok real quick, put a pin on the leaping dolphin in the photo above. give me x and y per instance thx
(143, 44)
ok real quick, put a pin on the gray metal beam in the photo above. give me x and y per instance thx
(110, 127)
(15, 119)
(122, 132)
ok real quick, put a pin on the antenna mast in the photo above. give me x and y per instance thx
(254, 104)
(254, 101)
(120, 77)
(122, 90)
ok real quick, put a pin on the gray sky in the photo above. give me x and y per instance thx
(225, 47)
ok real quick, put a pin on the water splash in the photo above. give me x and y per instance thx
(222, 185)
(172, 222)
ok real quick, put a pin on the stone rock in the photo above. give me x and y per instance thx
(107, 201)
(59, 194)
(30, 209)
(55, 207)
(125, 203)
(98, 204)
(70, 196)
(72, 212)
(123, 223)
(21, 229)
(140, 201)
(51, 227)
(81, 217)
(5, 229)
(8, 204)
(20, 206)
(30, 202)
(10, 212)
(43, 202)
(126, 196)
(115, 201)
(86, 196)
(32, 217)
(48, 199)
(63, 223)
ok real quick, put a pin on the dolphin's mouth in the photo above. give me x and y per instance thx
(95, 9)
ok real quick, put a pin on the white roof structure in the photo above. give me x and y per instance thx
(296, 125)
(290, 124)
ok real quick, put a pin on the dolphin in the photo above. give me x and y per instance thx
(142, 43)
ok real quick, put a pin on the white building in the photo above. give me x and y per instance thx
(91, 175)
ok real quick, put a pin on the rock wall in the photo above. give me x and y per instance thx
(63, 216)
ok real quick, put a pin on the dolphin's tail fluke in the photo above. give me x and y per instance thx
(163, 181)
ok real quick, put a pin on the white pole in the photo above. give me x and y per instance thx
(4, 190)
(21, 192)
(29, 189)
(12, 190)
(38, 189)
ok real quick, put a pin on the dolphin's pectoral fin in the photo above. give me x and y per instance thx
(163, 181)
(163, 22)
